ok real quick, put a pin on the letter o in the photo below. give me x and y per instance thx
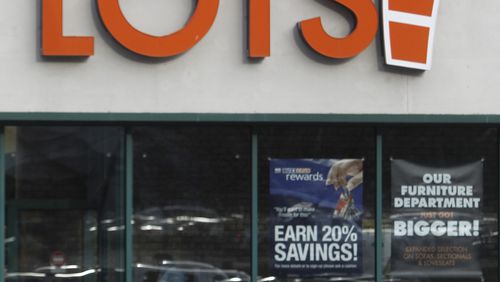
(427, 178)
(158, 46)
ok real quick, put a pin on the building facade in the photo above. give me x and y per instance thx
(249, 150)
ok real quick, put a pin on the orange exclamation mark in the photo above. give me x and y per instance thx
(409, 27)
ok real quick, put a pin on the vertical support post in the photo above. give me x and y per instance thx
(378, 213)
(498, 203)
(2, 205)
(129, 169)
(13, 233)
(255, 206)
(89, 243)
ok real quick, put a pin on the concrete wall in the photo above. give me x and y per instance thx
(215, 76)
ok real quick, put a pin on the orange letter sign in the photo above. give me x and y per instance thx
(341, 48)
(259, 32)
(54, 43)
(409, 28)
(158, 46)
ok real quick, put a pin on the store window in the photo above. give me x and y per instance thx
(64, 204)
(316, 203)
(440, 203)
(191, 195)
(192, 201)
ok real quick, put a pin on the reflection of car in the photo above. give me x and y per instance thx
(52, 273)
(236, 276)
(185, 271)
(172, 219)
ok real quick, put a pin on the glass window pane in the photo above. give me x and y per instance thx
(320, 179)
(192, 201)
(64, 203)
(441, 203)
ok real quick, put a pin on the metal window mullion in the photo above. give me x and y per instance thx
(498, 203)
(378, 212)
(2, 205)
(128, 206)
(10, 255)
(255, 205)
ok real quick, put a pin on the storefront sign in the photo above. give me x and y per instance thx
(408, 31)
(437, 216)
(316, 211)
(409, 27)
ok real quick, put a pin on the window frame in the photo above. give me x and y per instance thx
(254, 121)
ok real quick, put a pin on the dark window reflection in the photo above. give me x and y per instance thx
(192, 199)
(64, 204)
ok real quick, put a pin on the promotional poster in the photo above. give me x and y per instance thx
(316, 212)
(436, 215)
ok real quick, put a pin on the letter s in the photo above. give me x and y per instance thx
(280, 254)
(158, 46)
(366, 18)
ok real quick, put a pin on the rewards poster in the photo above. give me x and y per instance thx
(316, 212)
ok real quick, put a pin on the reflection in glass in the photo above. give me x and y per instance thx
(191, 204)
(64, 204)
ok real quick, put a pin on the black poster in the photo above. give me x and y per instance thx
(436, 217)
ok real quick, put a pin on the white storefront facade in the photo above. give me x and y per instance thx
(122, 167)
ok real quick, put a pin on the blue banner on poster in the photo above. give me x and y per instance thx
(316, 210)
